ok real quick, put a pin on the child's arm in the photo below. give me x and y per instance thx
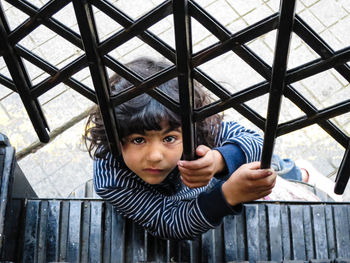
(236, 145)
(248, 183)
(199, 172)
(185, 215)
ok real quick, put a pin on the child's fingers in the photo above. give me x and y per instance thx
(193, 165)
(267, 183)
(198, 176)
(253, 165)
(259, 174)
(202, 150)
(193, 183)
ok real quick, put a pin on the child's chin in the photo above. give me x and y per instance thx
(154, 180)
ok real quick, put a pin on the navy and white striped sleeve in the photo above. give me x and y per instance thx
(162, 216)
(248, 140)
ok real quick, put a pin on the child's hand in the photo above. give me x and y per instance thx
(248, 183)
(198, 172)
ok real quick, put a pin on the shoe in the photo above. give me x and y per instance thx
(318, 180)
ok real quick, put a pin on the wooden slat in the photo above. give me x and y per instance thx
(53, 232)
(297, 230)
(252, 219)
(30, 247)
(74, 231)
(42, 232)
(118, 240)
(342, 231)
(95, 238)
(320, 231)
(274, 232)
(308, 233)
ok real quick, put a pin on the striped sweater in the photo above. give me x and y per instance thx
(172, 210)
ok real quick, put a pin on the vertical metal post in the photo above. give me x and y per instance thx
(87, 27)
(284, 30)
(22, 82)
(343, 173)
(183, 57)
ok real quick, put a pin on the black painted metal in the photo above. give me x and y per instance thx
(343, 173)
(185, 67)
(88, 31)
(22, 81)
(284, 33)
(91, 231)
(186, 93)
(12, 184)
(6, 164)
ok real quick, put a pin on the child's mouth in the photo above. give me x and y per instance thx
(153, 170)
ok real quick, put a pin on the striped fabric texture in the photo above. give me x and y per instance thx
(175, 213)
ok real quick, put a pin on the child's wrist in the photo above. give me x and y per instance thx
(220, 164)
(229, 197)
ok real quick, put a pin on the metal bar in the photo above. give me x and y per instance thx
(98, 72)
(7, 83)
(52, 23)
(56, 75)
(141, 85)
(228, 41)
(220, 32)
(22, 82)
(224, 95)
(146, 36)
(186, 93)
(232, 101)
(148, 84)
(305, 32)
(318, 65)
(343, 173)
(244, 52)
(60, 76)
(310, 110)
(287, 10)
(324, 114)
(35, 20)
(136, 28)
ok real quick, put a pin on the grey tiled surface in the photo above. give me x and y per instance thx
(62, 165)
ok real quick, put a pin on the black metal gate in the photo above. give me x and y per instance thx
(278, 80)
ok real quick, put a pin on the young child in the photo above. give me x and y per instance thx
(150, 184)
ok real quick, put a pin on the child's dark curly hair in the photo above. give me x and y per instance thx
(143, 113)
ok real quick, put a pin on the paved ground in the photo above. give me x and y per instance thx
(57, 168)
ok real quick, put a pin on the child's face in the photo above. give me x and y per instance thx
(153, 155)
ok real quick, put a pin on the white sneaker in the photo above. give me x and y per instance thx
(319, 180)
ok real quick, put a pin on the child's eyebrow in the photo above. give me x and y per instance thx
(178, 129)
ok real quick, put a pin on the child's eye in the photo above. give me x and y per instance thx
(170, 139)
(138, 140)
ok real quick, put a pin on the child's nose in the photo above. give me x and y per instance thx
(154, 154)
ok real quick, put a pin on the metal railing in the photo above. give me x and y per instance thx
(278, 80)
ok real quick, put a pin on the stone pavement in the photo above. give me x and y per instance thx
(55, 169)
